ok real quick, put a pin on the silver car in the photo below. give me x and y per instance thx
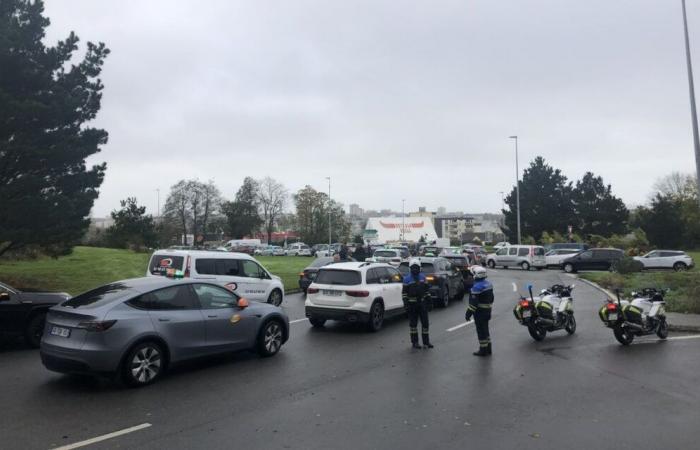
(137, 328)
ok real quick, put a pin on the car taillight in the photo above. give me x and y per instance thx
(357, 293)
(301, 274)
(312, 291)
(97, 325)
(612, 306)
(524, 303)
(430, 279)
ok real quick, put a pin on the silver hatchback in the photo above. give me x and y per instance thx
(137, 328)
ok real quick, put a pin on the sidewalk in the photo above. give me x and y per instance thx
(689, 323)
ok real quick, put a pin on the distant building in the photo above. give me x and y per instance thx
(102, 222)
(355, 210)
(441, 211)
(453, 227)
(382, 230)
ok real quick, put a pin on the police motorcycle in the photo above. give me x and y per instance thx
(553, 310)
(644, 315)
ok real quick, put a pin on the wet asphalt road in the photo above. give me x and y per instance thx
(342, 387)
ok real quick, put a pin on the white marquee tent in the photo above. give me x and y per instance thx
(381, 230)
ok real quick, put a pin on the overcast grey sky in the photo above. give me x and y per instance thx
(401, 99)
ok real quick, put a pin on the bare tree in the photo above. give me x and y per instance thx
(676, 184)
(192, 203)
(272, 198)
(177, 206)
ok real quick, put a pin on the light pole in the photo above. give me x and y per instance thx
(329, 215)
(158, 200)
(517, 185)
(403, 218)
(691, 87)
(503, 206)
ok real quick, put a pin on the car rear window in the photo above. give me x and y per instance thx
(458, 261)
(161, 263)
(385, 253)
(427, 268)
(98, 297)
(339, 277)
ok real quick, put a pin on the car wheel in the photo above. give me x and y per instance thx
(317, 323)
(445, 301)
(275, 297)
(525, 265)
(571, 325)
(376, 317)
(144, 364)
(34, 330)
(662, 332)
(569, 268)
(537, 332)
(491, 263)
(679, 267)
(623, 335)
(270, 338)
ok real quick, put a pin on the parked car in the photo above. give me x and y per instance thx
(500, 245)
(138, 328)
(388, 255)
(556, 256)
(523, 256)
(322, 250)
(298, 249)
(567, 245)
(667, 259)
(355, 292)
(430, 250)
(239, 272)
(278, 251)
(464, 266)
(592, 259)
(445, 280)
(23, 313)
(307, 276)
(265, 250)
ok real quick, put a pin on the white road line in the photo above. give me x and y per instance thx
(299, 320)
(104, 437)
(461, 325)
(675, 338)
(515, 287)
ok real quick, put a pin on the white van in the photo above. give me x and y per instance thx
(523, 256)
(238, 272)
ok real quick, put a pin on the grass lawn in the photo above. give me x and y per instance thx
(684, 296)
(89, 267)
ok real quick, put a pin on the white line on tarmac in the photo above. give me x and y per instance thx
(515, 287)
(104, 437)
(675, 338)
(299, 320)
(461, 325)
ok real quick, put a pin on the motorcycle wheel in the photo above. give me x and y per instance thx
(570, 324)
(662, 331)
(537, 332)
(623, 335)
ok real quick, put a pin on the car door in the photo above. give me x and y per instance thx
(510, 257)
(501, 256)
(665, 260)
(455, 278)
(255, 281)
(584, 261)
(602, 259)
(227, 327)
(651, 260)
(177, 318)
(393, 288)
(12, 310)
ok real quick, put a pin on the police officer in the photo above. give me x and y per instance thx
(480, 302)
(415, 291)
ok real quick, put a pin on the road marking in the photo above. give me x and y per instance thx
(675, 338)
(515, 287)
(104, 437)
(299, 320)
(461, 325)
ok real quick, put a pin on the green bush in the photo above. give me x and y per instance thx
(628, 265)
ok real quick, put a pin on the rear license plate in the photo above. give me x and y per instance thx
(332, 293)
(526, 314)
(60, 332)
(612, 317)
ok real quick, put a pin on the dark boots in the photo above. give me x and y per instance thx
(426, 341)
(484, 350)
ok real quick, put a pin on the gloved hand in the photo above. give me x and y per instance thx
(468, 315)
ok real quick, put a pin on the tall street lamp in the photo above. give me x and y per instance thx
(403, 218)
(503, 206)
(691, 86)
(329, 215)
(517, 184)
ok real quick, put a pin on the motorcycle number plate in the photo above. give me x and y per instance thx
(612, 317)
(526, 314)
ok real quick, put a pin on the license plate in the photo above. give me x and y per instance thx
(332, 293)
(612, 317)
(526, 314)
(60, 332)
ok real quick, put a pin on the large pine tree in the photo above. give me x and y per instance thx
(598, 211)
(46, 190)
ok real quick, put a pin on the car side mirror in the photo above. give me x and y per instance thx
(4, 297)
(243, 303)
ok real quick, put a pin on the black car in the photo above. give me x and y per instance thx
(23, 313)
(593, 259)
(308, 275)
(462, 263)
(445, 280)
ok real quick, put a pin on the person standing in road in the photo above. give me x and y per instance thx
(359, 254)
(415, 290)
(343, 252)
(480, 303)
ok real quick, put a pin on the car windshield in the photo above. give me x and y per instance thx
(339, 277)
(98, 297)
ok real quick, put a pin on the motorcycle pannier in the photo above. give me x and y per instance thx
(632, 314)
(545, 309)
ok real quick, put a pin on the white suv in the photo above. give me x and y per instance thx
(666, 259)
(298, 250)
(387, 255)
(360, 292)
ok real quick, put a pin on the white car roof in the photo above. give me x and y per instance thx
(355, 265)
(204, 254)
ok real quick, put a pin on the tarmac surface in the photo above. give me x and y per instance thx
(342, 387)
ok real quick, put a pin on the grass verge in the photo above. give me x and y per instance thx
(89, 267)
